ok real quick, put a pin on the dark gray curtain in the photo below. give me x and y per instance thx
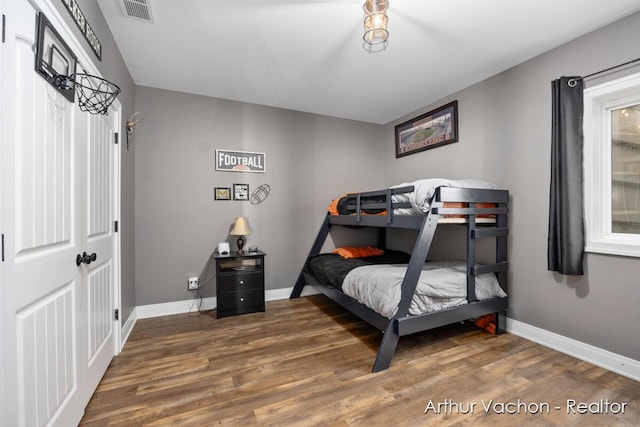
(565, 249)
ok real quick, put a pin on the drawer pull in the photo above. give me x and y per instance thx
(242, 282)
(241, 298)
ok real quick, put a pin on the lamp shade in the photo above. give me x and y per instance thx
(240, 227)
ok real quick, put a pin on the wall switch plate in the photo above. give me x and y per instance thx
(192, 283)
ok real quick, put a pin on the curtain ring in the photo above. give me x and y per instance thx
(572, 82)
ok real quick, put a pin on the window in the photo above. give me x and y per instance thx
(612, 167)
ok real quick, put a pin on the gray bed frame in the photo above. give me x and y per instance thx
(403, 323)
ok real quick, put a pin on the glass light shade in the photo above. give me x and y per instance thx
(375, 21)
(375, 27)
(375, 6)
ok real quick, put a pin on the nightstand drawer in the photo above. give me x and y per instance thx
(239, 282)
(240, 302)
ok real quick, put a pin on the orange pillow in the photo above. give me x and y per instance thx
(333, 206)
(488, 323)
(358, 251)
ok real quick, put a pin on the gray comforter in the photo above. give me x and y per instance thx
(442, 284)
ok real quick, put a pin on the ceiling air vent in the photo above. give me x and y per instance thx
(137, 9)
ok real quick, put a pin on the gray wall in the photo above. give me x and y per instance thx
(113, 69)
(310, 159)
(505, 128)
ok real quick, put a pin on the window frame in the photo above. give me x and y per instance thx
(599, 100)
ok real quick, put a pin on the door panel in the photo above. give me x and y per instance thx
(46, 361)
(99, 236)
(57, 323)
(43, 157)
(100, 177)
(99, 302)
(40, 278)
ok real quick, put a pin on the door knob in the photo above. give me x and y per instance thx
(85, 258)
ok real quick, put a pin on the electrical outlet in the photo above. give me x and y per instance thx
(192, 283)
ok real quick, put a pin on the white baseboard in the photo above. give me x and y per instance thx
(277, 294)
(605, 359)
(128, 327)
(284, 293)
(188, 306)
(613, 362)
(176, 307)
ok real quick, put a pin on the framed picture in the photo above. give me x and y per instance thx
(430, 130)
(240, 191)
(223, 193)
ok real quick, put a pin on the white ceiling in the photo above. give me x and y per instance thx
(308, 55)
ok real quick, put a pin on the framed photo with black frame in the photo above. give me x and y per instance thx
(241, 192)
(222, 193)
(430, 130)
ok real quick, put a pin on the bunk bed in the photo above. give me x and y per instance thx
(483, 211)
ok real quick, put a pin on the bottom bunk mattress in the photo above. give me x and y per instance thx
(376, 282)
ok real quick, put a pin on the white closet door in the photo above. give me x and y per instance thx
(56, 203)
(99, 238)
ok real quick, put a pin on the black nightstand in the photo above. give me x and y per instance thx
(239, 283)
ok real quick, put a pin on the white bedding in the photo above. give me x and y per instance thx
(442, 284)
(424, 190)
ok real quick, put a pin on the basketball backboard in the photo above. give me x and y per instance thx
(54, 59)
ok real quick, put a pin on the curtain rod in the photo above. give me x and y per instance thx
(573, 82)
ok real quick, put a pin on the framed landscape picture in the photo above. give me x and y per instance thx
(430, 130)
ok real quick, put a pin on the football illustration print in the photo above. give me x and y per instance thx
(260, 194)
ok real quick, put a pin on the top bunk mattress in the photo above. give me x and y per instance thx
(415, 202)
(424, 190)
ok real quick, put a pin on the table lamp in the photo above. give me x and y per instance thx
(240, 228)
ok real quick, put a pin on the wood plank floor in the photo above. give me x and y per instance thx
(307, 362)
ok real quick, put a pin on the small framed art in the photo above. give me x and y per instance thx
(223, 193)
(240, 191)
(430, 130)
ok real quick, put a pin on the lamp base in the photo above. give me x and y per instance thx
(240, 243)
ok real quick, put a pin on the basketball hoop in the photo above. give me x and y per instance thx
(95, 94)
(56, 63)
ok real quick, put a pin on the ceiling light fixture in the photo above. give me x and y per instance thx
(375, 21)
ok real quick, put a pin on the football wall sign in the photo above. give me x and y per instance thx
(240, 161)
